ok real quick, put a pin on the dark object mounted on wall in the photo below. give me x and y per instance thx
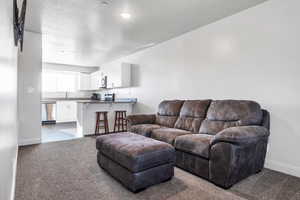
(19, 22)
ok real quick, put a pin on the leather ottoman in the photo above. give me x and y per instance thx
(134, 160)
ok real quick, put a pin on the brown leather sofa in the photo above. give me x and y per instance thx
(223, 141)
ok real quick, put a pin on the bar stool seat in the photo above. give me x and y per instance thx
(120, 121)
(101, 122)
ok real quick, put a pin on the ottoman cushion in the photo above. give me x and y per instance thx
(135, 152)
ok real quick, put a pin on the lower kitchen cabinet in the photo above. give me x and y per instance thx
(86, 115)
(66, 111)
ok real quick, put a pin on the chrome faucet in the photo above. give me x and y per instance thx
(66, 96)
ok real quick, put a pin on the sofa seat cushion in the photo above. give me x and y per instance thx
(197, 144)
(144, 129)
(168, 134)
(135, 152)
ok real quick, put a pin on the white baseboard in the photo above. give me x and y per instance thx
(30, 141)
(13, 188)
(283, 167)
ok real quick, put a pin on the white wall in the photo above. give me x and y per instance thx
(8, 103)
(29, 89)
(252, 55)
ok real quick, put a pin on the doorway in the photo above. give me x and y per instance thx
(59, 107)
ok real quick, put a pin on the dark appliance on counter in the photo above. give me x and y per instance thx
(109, 97)
(96, 96)
(104, 82)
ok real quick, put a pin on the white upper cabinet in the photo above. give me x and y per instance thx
(95, 80)
(118, 76)
(84, 81)
(90, 81)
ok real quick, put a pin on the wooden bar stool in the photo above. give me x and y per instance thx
(120, 121)
(101, 123)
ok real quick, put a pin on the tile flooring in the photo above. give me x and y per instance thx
(59, 132)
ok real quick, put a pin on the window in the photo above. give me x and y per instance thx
(59, 81)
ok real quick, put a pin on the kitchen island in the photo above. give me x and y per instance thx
(86, 113)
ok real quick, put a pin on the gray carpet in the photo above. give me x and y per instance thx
(68, 171)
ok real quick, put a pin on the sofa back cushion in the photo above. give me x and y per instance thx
(230, 113)
(192, 113)
(168, 112)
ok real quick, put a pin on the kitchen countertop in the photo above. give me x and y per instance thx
(88, 100)
(54, 100)
(116, 101)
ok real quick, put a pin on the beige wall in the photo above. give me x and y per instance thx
(251, 55)
(8, 103)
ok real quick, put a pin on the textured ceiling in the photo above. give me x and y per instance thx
(86, 32)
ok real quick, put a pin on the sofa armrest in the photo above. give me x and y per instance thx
(266, 119)
(241, 135)
(141, 119)
(229, 163)
(236, 153)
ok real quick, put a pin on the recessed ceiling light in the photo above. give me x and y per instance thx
(125, 15)
(105, 3)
